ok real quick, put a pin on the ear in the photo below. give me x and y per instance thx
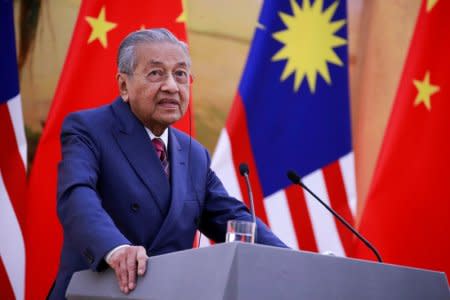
(122, 82)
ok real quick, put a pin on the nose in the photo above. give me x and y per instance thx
(170, 85)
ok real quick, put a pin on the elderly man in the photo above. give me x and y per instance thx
(129, 185)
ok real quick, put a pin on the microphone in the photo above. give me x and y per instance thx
(243, 169)
(297, 180)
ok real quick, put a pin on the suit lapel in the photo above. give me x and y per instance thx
(180, 185)
(137, 148)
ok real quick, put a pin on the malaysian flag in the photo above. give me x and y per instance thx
(13, 150)
(292, 111)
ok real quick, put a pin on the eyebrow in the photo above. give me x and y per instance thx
(160, 63)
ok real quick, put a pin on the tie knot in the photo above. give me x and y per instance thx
(160, 148)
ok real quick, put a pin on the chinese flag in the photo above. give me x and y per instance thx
(407, 215)
(87, 80)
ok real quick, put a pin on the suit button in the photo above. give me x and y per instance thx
(88, 255)
(135, 207)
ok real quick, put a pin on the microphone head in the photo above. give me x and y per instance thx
(293, 177)
(243, 169)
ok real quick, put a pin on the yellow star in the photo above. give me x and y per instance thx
(183, 16)
(100, 28)
(425, 90)
(431, 4)
(316, 27)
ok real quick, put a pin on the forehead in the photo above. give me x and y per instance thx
(160, 53)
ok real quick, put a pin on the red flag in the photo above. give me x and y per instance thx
(407, 215)
(87, 80)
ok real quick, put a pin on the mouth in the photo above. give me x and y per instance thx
(169, 104)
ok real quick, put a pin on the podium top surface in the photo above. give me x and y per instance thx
(238, 271)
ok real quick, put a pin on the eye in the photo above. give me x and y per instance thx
(181, 76)
(180, 73)
(155, 75)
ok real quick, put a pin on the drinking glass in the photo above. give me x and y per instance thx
(240, 231)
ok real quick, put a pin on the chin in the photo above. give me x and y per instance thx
(170, 121)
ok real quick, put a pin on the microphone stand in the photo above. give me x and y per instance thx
(296, 180)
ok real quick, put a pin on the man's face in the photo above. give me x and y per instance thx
(158, 89)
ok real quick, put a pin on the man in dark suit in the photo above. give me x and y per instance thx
(129, 185)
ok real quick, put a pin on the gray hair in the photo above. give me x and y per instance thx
(126, 58)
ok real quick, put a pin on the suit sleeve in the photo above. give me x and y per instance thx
(86, 224)
(219, 207)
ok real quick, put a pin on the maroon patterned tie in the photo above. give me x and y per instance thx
(162, 154)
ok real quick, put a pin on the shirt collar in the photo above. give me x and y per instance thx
(164, 136)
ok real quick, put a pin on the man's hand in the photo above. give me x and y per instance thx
(127, 262)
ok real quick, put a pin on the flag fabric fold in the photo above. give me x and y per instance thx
(291, 111)
(408, 206)
(87, 80)
(13, 164)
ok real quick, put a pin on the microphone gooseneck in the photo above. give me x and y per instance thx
(294, 178)
(243, 169)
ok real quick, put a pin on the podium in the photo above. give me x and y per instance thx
(240, 271)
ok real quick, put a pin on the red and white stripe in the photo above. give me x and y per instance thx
(13, 149)
(293, 215)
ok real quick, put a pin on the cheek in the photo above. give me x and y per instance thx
(143, 99)
(147, 93)
(147, 97)
(185, 96)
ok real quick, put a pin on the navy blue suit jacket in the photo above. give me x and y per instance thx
(112, 190)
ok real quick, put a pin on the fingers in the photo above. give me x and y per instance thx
(128, 262)
(123, 276)
(141, 258)
(131, 269)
